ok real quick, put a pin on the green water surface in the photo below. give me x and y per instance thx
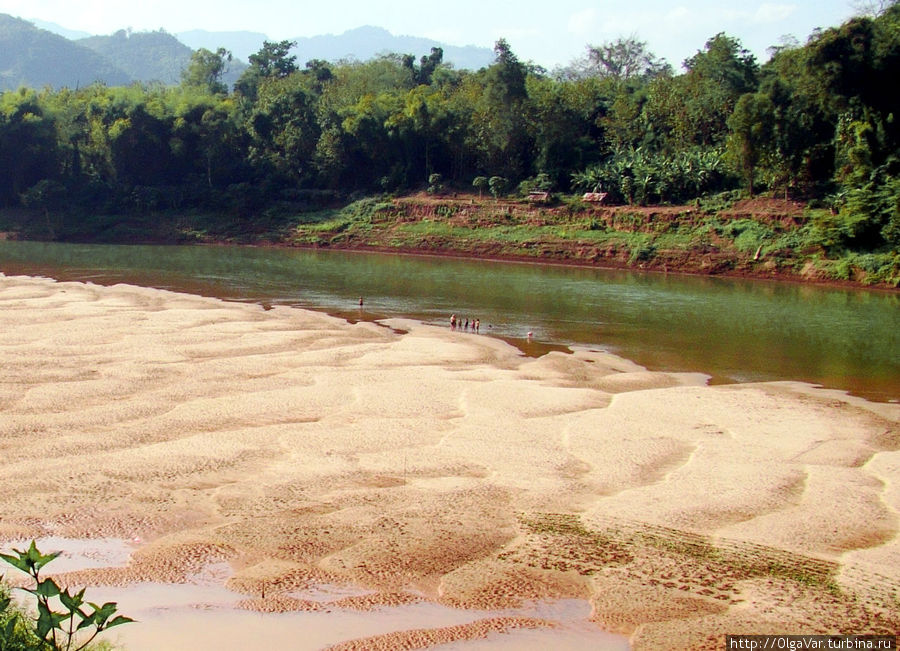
(732, 330)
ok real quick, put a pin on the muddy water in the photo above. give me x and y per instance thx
(197, 618)
(203, 615)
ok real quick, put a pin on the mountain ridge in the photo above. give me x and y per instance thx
(24, 52)
(41, 53)
(144, 56)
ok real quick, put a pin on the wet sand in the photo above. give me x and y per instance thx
(420, 465)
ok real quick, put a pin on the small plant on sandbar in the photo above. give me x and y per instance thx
(60, 630)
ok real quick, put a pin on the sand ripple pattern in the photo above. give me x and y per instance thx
(418, 463)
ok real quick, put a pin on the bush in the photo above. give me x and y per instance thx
(869, 268)
(868, 217)
(748, 235)
(14, 634)
(435, 183)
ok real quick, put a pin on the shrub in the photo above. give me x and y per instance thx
(435, 183)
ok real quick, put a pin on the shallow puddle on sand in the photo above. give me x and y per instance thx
(199, 618)
(78, 553)
(203, 615)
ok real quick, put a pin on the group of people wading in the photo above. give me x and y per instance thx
(455, 323)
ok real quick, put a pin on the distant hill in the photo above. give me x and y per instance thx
(361, 44)
(71, 34)
(240, 44)
(34, 57)
(144, 56)
(37, 57)
(366, 42)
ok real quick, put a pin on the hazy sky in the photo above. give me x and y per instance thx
(548, 33)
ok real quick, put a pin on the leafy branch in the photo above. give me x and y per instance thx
(59, 630)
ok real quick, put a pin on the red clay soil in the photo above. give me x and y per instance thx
(468, 210)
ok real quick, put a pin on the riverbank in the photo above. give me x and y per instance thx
(290, 449)
(762, 238)
(691, 239)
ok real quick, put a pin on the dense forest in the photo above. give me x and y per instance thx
(815, 123)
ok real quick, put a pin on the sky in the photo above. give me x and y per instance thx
(546, 33)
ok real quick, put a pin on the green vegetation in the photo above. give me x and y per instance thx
(281, 153)
(697, 240)
(143, 55)
(72, 628)
(29, 54)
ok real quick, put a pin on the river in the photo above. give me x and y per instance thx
(733, 330)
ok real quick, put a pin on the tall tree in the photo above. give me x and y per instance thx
(284, 129)
(692, 109)
(28, 149)
(750, 136)
(428, 64)
(623, 59)
(205, 71)
(273, 61)
(499, 126)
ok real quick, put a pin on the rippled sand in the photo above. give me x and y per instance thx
(426, 465)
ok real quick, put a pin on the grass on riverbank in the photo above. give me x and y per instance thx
(693, 238)
(717, 235)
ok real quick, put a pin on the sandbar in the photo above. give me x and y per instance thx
(417, 464)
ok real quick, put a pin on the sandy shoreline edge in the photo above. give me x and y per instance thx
(300, 449)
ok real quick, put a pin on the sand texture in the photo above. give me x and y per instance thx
(416, 463)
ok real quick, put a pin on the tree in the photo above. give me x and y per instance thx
(563, 123)
(284, 129)
(208, 140)
(750, 134)
(428, 64)
(507, 75)
(692, 109)
(28, 143)
(320, 70)
(499, 123)
(725, 61)
(205, 71)
(872, 8)
(140, 146)
(498, 185)
(624, 59)
(420, 124)
(47, 196)
(435, 183)
(273, 61)
(480, 182)
(802, 152)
